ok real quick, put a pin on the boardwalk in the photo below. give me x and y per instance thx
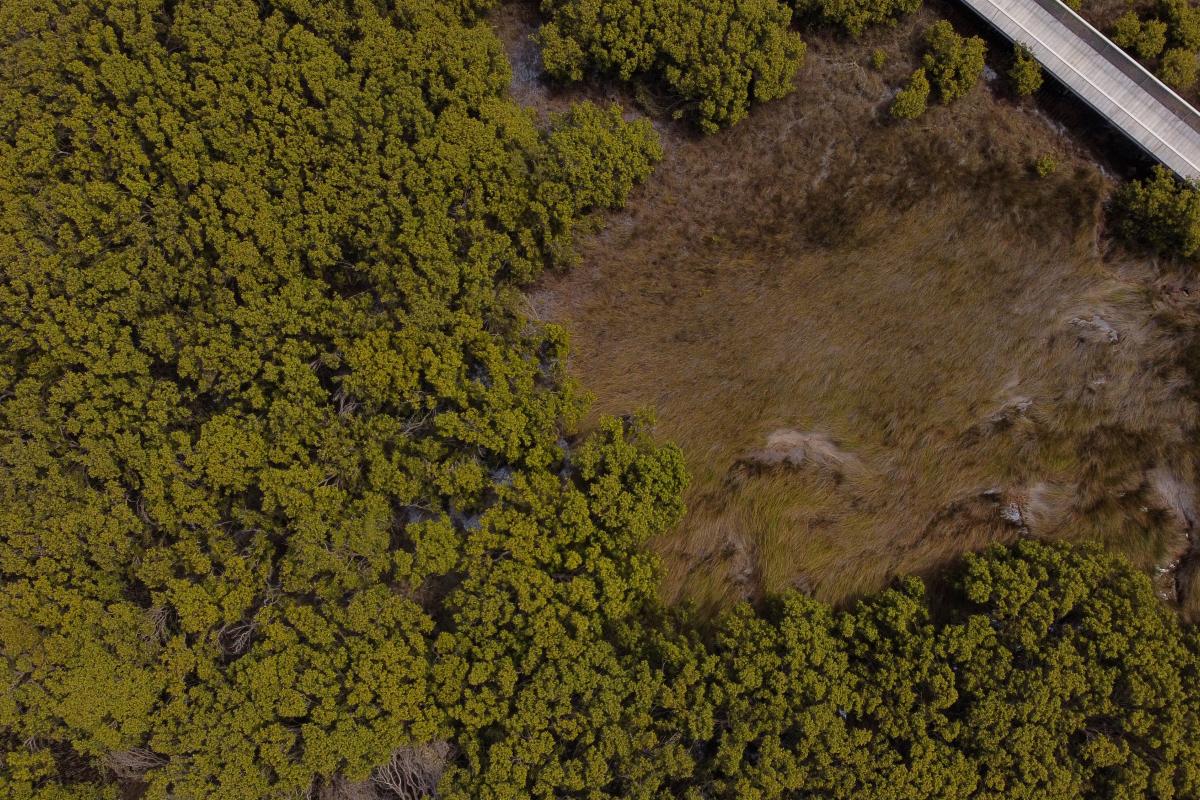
(1103, 76)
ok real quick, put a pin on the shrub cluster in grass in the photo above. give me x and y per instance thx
(1025, 72)
(1146, 38)
(1161, 212)
(854, 16)
(912, 101)
(1169, 40)
(292, 502)
(718, 56)
(952, 65)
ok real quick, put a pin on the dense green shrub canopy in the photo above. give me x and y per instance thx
(717, 56)
(1183, 23)
(293, 504)
(855, 16)
(1180, 68)
(1042, 672)
(1162, 212)
(285, 483)
(1172, 32)
(1147, 38)
(912, 100)
(954, 63)
(1025, 72)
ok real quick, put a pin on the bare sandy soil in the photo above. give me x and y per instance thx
(882, 345)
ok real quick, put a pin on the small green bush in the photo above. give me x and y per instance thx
(953, 63)
(912, 101)
(1026, 72)
(1183, 23)
(1162, 212)
(1045, 165)
(878, 58)
(1147, 39)
(1126, 29)
(855, 16)
(1179, 68)
(718, 56)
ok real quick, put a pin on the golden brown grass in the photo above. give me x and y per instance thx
(933, 335)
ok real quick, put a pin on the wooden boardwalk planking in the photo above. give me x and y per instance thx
(1103, 76)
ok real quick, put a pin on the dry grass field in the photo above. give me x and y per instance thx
(880, 345)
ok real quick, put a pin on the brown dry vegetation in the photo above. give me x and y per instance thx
(881, 345)
(1103, 13)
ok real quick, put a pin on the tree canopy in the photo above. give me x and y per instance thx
(855, 16)
(1025, 72)
(1162, 212)
(295, 500)
(718, 56)
(1039, 672)
(1180, 68)
(952, 62)
(1168, 35)
(289, 483)
(912, 100)
(1147, 38)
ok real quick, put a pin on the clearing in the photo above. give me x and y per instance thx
(880, 345)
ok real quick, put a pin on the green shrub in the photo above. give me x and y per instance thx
(1177, 26)
(1152, 39)
(913, 99)
(275, 433)
(1179, 68)
(953, 63)
(999, 690)
(1127, 29)
(292, 497)
(1162, 212)
(1183, 23)
(719, 56)
(1045, 166)
(878, 58)
(855, 16)
(1147, 39)
(1026, 72)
